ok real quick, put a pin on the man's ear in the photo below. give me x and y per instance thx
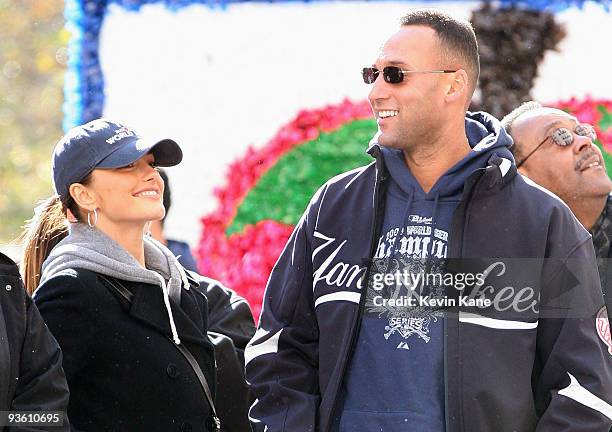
(458, 87)
(83, 196)
(523, 169)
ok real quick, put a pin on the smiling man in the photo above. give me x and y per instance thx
(336, 351)
(556, 151)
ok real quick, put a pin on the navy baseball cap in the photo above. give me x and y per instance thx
(103, 143)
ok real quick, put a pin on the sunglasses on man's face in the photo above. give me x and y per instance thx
(393, 74)
(564, 137)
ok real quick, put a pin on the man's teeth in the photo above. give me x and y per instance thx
(147, 193)
(385, 114)
(592, 164)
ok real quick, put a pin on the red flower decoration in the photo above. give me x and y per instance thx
(244, 260)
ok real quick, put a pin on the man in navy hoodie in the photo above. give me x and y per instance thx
(348, 339)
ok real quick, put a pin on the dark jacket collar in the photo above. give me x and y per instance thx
(146, 304)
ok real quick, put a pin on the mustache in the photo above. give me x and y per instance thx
(588, 154)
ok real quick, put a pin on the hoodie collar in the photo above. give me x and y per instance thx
(91, 249)
(488, 141)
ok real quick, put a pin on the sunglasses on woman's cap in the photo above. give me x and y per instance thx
(393, 74)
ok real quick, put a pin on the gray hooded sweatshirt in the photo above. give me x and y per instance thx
(90, 249)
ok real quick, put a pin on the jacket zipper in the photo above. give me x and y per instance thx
(470, 187)
(380, 177)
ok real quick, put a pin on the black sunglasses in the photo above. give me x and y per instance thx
(563, 137)
(393, 74)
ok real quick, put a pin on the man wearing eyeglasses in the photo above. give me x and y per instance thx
(357, 331)
(556, 151)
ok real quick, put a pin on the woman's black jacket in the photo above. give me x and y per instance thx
(124, 371)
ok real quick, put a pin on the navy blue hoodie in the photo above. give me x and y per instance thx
(399, 355)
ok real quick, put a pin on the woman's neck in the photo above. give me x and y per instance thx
(129, 237)
(157, 232)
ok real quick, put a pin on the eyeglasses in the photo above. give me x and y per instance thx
(563, 137)
(393, 74)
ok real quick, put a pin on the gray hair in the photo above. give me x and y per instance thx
(509, 119)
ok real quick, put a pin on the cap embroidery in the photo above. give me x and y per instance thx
(120, 133)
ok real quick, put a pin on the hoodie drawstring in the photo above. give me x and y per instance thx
(164, 287)
(433, 226)
(408, 207)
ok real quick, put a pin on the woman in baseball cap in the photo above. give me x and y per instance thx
(131, 323)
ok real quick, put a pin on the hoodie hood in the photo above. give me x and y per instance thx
(91, 249)
(486, 137)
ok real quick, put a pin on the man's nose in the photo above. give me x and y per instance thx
(582, 143)
(380, 89)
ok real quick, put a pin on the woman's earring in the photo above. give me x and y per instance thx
(95, 221)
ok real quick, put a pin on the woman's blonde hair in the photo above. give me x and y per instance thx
(47, 228)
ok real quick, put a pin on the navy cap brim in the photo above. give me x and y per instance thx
(167, 153)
